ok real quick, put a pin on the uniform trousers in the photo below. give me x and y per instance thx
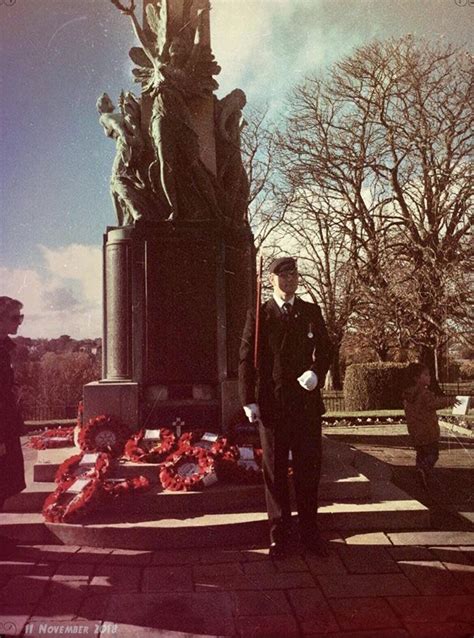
(290, 427)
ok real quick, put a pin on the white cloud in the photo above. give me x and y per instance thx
(267, 46)
(79, 264)
(63, 296)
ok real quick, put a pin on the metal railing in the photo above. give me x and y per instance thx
(41, 412)
(333, 400)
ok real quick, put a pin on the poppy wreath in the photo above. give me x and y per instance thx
(194, 439)
(116, 489)
(229, 470)
(188, 439)
(103, 433)
(71, 468)
(50, 439)
(187, 470)
(63, 507)
(137, 450)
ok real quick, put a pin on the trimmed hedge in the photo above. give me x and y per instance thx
(374, 386)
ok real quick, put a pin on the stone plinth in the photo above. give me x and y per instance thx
(175, 301)
(120, 399)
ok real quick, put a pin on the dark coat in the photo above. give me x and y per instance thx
(12, 474)
(287, 349)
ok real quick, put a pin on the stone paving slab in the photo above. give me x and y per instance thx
(323, 621)
(74, 571)
(462, 573)
(363, 559)
(302, 595)
(278, 626)
(116, 577)
(410, 552)
(369, 633)
(431, 538)
(166, 578)
(94, 606)
(446, 630)
(134, 631)
(431, 578)
(356, 585)
(331, 564)
(468, 551)
(364, 613)
(27, 589)
(261, 603)
(229, 582)
(435, 609)
(312, 611)
(370, 538)
(61, 601)
(194, 613)
(461, 555)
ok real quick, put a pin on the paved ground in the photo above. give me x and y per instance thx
(375, 585)
(450, 496)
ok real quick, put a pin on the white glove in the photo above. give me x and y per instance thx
(308, 380)
(252, 412)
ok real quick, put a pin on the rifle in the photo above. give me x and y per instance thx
(257, 311)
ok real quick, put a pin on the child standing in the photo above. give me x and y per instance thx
(420, 405)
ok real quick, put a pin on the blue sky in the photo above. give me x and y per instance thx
(58, 56)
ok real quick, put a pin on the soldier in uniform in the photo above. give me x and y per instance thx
(283, 395)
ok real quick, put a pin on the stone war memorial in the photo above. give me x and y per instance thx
(179, 265)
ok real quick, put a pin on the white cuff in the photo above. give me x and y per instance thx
(308, 380)
(252, 412)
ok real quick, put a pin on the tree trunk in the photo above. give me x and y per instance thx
(428, 357)
(335, 369)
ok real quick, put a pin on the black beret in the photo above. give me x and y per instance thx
(282, 264)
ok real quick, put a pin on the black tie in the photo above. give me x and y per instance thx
(287, 310)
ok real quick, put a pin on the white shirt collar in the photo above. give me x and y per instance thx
(279, 301)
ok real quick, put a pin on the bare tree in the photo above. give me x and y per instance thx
(324, 264)
(266, 206)
(386, 139)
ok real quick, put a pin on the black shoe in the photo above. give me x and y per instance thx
(317, 547)
(278, 550)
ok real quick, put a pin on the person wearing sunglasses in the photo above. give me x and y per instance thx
(12, 473)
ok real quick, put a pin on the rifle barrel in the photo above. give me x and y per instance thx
(257, 312)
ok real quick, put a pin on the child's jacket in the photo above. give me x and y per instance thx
(420, 411)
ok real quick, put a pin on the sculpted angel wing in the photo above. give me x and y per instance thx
(158, 23)
(131, 111)
(138, 55)
(143, 72)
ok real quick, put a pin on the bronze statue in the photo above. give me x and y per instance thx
(127, 189)
(231, 171)
(173, 72)
(192, 164)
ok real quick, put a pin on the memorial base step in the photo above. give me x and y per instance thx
(217, 498)
(129, 530)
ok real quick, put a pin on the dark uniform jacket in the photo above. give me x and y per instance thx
(287, 348)
(12, 478)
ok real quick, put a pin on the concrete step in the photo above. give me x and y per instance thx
(337, 461)
(218, 498)
(139, 530)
